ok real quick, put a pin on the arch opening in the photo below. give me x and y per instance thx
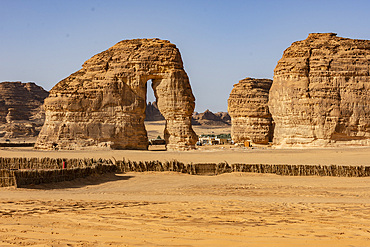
(154, 120)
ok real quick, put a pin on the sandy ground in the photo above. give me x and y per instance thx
(173, 209)
(328, 156)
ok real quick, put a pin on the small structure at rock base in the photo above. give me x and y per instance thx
(103, 104)
(248, 108)
(321, 92)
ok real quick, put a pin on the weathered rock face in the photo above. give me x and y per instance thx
(248, 108)
(321, 92)
(103, 104)
(21, 110)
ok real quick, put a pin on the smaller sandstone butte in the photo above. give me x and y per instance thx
(21, 109)
(248, 108)
(321, 92)
(103, 104)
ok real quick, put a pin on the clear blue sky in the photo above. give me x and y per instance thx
(221, 42)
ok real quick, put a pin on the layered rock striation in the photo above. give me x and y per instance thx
(103, 104)
(321, 92)
(21, 110)
(248, 109)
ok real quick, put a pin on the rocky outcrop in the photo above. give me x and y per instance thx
(248, 108)
(152, 112)
(103, 104)
(21, 110)
(321, 92)
(211, 119)
(224, 117)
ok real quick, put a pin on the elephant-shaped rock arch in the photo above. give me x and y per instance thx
(103, 104)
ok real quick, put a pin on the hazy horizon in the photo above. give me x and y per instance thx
(221, 42)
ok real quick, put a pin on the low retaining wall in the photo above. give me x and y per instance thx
(22, 171)
(215, 169)
(305, 170)
(7, 178)
(21, 178)
(49, 163)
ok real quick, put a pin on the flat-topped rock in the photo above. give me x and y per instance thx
(321, 92)
(103, 104)
(248, 109)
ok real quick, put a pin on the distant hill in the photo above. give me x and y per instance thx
(210, 118)
(152, 113)
(21, 109)
(205, 118)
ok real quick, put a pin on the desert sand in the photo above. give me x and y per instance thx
(174, 209)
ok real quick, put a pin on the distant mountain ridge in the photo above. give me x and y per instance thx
(206, 118)
(152, 113)
(210, 118)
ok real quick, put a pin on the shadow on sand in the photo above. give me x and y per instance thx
(81, 182)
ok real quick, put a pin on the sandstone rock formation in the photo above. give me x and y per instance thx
(248, 108)
(103, 104)
(211, 119)
(21, 111)
(152, 112)
(321, 92)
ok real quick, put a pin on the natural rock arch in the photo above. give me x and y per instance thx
(103, 104)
